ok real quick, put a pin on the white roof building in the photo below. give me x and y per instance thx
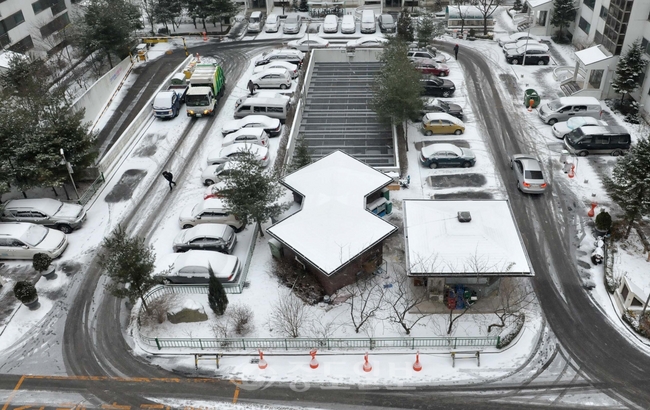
(439, 244)
(333, 225)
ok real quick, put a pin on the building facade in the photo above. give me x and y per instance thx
(34, 25)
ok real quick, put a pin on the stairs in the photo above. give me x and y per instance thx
(570, 87)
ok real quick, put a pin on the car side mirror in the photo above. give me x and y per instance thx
(25, 247)
(198, 217)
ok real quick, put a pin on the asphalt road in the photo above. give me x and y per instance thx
(93, 343)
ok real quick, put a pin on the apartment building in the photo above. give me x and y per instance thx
(34, 25)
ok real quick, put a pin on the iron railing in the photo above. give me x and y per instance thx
(94, 187)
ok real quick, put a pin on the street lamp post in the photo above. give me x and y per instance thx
(70, 172)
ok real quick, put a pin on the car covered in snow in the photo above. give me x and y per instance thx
(195, 266)
(247, 135)
(513, 38)
(291, 68)
(446, 155)
(207, 237)
(308, 43)
(367, 42)
(272, 126)
(208, 211)
(560, 129)
(231, 152)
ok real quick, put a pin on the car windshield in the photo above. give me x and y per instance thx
(291, 20)
(555, 105)
(573, 137)
(197, 101)
(444, 105)
(34, 235)
(533, 174)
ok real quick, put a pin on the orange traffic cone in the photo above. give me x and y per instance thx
(313, 363)
(591, 212)
(366, 366)
(530, 105)
(205, 36)
(262, 363)
(572, 172)
(417, 366)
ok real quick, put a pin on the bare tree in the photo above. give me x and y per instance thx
(289, 314)
(487, 8)
(323, 328)
(514, 296)
(403, 298)
(462, 14)
(364, 302)
(241, 318)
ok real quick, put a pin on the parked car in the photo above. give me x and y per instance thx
(387, 23)
(521, 43)
(268, 94)
(560, 129)
(437, 105)
(366, 42)
(428, 66)
(437, 87)
(368, 22)
(255, 22)
(247, 135)
(232, 151)
(208, 211)
(292, 24)
(613, 139)
(207, 237)
(513, 38)
(285, 54)
(528, 171)
(446, 155)
(272, 23)
(529, 55)
(166, 105)
(417, 54)
(308, 43)
(272, 126)
(331, 24)
(272, 78)
(214, 190)
(348, 24)
(215, 173)
(194, 266)
(291, 68)
(441, 123)
(22, 240)
(44, 211)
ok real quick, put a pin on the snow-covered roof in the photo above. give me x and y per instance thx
(468, 12)
(438, 244)
(333, 226)
(592, 55)
(536, 3)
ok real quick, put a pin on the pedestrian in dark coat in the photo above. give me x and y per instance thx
(169, 177)
(456, 51)
(251, 87)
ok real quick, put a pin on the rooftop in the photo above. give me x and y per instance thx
(333, 225)
(438, 244)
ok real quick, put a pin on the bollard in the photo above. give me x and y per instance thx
(262, 363)
(591, 212)
(313, 363)
(205, 36)
(572, 171)
(417, 366)
(366, 365)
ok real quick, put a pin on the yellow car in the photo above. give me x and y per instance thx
(441, 123)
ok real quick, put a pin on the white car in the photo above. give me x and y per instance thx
(291, 68)
(252, 135)
(22, 240)
(263, 94)
(292, 24)
(513, 38)
(208, 211)
(308, 43)
(272, 23)
(331, 24)
(522, 43)
(272, 78)
(560, 129)
(206, 237)
(195, 266)
(348, 24)
(272, 126)
(231, 152)
(365, 42)
(215, 173)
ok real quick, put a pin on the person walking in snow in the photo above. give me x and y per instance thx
(456, 47)
(169, 177)
(251, 87)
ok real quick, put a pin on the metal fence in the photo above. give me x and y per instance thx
(94, 187)
(328, 344)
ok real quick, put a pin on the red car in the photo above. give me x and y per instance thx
(427, 66)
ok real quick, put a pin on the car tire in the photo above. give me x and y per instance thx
(428, 133)
(237, 230)
(514, 61)
(256, 86)
(283, 86)
(616, 153)
(66, 229)
(583, 153)
(187, 226)
(458, 132)
(541, 62)
(466, 164)
(208, 182)
(446, 93)
(433, 165)
(552, 121)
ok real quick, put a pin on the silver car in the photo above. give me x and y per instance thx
(207, 237)
(45, 211)
(292, 24)
(24, 240)
(528, 171)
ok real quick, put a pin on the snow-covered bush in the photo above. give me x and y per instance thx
(241, 318)
(506, 339)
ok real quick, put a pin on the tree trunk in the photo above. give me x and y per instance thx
(451, 321)
(259, 227)
(205, 28)
(629, 228)
(108, 55)
(406, 139)
(485, 25)
(144, 304)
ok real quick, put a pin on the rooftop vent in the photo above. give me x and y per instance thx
(464, 216)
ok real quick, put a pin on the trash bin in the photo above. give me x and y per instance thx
(531, 94)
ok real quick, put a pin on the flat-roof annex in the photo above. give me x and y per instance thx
(333, 225)
(438, 244)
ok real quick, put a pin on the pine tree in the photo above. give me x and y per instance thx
(629, 70)
(301, 157)
(629, 184)
(426, 27)
(303, 6)
(217, 298)
(405, 27)
(517, 5)
(564, 13)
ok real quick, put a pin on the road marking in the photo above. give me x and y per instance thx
(236, 395)
(13, 393)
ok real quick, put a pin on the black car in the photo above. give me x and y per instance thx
(387, 23)
(535, 56)
(436, 105)
(437, 87)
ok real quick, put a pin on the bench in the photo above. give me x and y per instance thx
(465, 354)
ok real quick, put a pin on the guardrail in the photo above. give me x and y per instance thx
(94, 187)
(320, 343)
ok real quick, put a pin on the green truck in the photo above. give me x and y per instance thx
(207, 85)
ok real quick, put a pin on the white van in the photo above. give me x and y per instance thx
(368, 22)
(255, 22)
(566, 108)
(271, 107)
(348, 25)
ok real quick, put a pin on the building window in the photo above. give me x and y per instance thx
(598, 37)
(37, 7)
(55, 25)
(11, 22)
(5, 40)
(603, 12)
(584, 26)
(645, 44)
(57, 6)
(590, 3)
(23, 45)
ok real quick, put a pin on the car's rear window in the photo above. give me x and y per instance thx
(534, 175)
